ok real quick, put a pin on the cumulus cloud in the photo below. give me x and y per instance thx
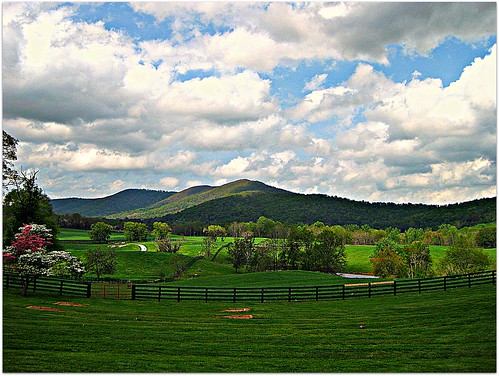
(169, 182)
(99, 110)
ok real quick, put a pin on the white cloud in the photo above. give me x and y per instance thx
(85, 100)
(169, 182)
(316, 82)
(116, 185)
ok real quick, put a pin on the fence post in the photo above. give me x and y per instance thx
(178, 295)
(317, 294)
(394, 287)
(234, 295)
(133, 291)
(34, 285)
(469, 279)
(445, 283)
(343, 292)
(419, 285)
(369, 291)
(493, 277)
(60, 290)
(8, 280)
(289, 294)
(263, 292)
(159, 294)
(206, 295)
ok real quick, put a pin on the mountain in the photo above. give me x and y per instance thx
(246, 200)
(194, 196)
(128, 199)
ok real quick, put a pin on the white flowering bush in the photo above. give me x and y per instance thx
(55, 263)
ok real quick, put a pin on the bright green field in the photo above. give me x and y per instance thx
(136, 265)
(445, 332)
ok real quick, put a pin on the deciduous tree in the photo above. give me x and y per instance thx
(462, 257)
(100, 232)
(101, 261)
(161, 230)
(135, 231)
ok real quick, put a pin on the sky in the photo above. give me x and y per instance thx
(382, 102)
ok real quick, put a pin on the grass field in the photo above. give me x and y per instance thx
(446, 332)
(136, 265)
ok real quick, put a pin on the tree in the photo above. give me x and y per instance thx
(100, 261)
(28, 255)
(413, 234)
(240, 252)
(418, 260)
(100, 232)
(327, 253)
(448, 232)
(9, 154)
(167, 245)
(486, 237)
(462, 257)
(161, 230)
(135, 231)
(27, 203)
(264, 227)
(291, 255)
(212, 232)
(387, 260)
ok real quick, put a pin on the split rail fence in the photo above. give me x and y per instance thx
(136, 291)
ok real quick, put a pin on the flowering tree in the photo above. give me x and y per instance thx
(29, 257)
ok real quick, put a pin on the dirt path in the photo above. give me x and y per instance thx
(143, 248)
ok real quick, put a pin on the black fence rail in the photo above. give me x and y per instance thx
(50, 285)
(137, 291)
(267, 294)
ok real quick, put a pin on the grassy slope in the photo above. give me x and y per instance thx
(453, 331)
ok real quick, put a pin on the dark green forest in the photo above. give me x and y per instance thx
(307, 209)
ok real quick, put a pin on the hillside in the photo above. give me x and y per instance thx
(194, 196)
(246, 200)
(298, 208)
(129, 199)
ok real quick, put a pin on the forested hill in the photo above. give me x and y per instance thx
(298, 208)
(246, 200)
(129, 199)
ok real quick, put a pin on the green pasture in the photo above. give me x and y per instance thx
(150, 265)
(288, 278)
(73, 234)
(446, 332)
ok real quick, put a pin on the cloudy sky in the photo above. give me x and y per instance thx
(369, 101)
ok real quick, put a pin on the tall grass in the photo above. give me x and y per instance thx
(445, 332)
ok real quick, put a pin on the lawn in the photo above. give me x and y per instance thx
(445, 332)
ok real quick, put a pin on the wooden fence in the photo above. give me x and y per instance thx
(49, 285)
(137, 291)
(349, 290)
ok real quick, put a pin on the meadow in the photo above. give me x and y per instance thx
(151, 265)
(446, 332)
(439, 331)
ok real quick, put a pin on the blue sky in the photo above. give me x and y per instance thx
(310, 97)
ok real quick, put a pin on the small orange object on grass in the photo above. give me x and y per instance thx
(40, 308)
(71, 304)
